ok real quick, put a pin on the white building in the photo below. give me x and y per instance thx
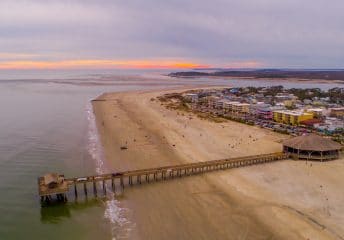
(193, 97)
(330, 124)
(317, 112)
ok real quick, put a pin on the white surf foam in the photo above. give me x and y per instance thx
(115, 213)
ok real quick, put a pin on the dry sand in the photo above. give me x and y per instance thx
(282, 200)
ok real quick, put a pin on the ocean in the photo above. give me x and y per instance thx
(47, 125)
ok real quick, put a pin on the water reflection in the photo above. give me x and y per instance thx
(55, 212)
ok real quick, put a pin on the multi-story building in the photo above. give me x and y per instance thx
(261, 110)
(291, 117)
(337, 112)
(228, 105)
(220, 104)
(241, 107)
(317, 112)
(212, 101)
(192, 97)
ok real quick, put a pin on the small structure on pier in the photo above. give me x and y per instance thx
(312, 147)
(50, 184)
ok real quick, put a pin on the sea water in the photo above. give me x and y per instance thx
(47, 125)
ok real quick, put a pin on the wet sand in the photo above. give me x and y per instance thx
(281, 200)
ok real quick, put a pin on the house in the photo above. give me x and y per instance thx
(289, 103)
(307, 101)
(234, 90)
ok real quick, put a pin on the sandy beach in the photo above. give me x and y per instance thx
(282, 200)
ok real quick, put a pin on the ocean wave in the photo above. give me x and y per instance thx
(115, 212)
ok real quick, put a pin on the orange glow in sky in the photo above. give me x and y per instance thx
(74, 64)
(118, 64)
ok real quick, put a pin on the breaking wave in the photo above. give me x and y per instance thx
(115, 213)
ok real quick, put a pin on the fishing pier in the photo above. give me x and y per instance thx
(56, 184)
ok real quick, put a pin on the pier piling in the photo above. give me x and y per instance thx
(94, 187)
(85, 189)
(122, 183)
(104, 188)
(75, 190)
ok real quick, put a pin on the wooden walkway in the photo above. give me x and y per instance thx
(122, 179)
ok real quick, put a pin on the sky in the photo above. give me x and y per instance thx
(46, 34)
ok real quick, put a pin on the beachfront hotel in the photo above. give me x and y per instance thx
(241, 107)
(291, 117)
(233, 106)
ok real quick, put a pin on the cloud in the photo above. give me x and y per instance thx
(100, 64)
(6, 56)
(278, 33)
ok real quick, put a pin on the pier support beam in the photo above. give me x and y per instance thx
(104, 188)
(122, 183)
(85, 189)
(75, 190)
(94, 188)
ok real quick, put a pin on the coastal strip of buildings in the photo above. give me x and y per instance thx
(282, 108)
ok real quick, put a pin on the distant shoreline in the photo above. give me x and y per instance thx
(285, 79)
(284, 75)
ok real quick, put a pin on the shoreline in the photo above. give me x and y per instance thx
(294, 80)
(234, 198)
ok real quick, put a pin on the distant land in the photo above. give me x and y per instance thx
(313, 74)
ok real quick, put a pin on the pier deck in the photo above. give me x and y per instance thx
(151, 174)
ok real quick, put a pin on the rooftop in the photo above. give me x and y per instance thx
(315, 109)
(241, 104)
(312, 142)
(52, 183)
(294, 113)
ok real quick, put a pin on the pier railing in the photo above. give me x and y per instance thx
(121, 179)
